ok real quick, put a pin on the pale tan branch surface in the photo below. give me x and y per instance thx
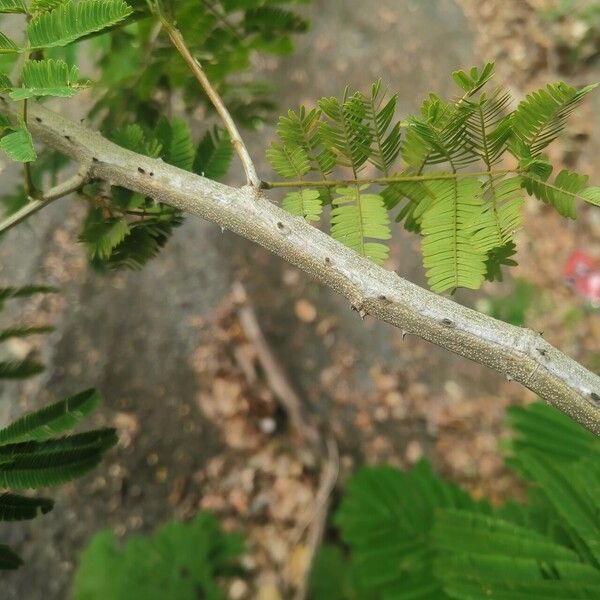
(520, 354)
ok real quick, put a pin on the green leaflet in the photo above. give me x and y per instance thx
(101, 235)
(19, 508)
(25, 291)
(438, 136)
(49, 421)
(304, 203)
(70, 21)
(31, 455)
(358, 216)
(18, 145)
(47, 78)
(13, 6)
(475, 79)
(23, 331)
(273, 21)
(500, 217)
(7, 46)
(39, 6)
(19, 369)
(541, 428)
(54, 461)
(449, 254)
(288, 162)
(134, 138)
(561, 194)
(592, 195)
(213, 155)
(177, 144)
(345, 133)
(540, 118)
(379, 114)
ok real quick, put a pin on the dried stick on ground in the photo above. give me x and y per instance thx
(316, 527)
(520, 354)
(287, 396)
(274, 373)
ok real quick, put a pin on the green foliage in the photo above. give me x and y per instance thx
(19, 508)
(386, 518)
(70, 21)
(126, 229)
(32, 457)
(18, 144)
(180, 561)
(356, 217)
(411, 535)
(213, 154)
(31, 453)
(47, 78)
(8, 293)
(19, 369)
(23, 331)
(54, 419)
(7, 46)
(304, 203)
(449, 248)
(539, 119)
(123, 229)
(448, 187)
(13, 6)
(223, 35)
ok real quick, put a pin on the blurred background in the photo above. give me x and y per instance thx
(200, 425)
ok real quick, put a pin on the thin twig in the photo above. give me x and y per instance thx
(267, 185)
(236, 139)
(59, 191)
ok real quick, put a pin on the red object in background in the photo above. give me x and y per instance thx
(583, 273)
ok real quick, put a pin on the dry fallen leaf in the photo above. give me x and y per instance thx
(305, 311)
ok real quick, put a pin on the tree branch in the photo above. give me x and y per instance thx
(59, 191)
(520, 354)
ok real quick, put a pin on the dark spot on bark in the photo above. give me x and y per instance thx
(38, 119)
(595, 397)
(542, 351)
(68, 138)
(140, 170)
(447, 323)
(382, 297)
(327, 260)
(151, 173)
(280, 225)
(94, 159)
